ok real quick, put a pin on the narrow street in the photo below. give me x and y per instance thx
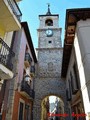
(44, 76)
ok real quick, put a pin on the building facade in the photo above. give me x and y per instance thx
(77, 67)
(48, 79)
(9, 21)
(64, 73)
(19, 102)
(21, 92)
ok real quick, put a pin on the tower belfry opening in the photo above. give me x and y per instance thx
(49, 22)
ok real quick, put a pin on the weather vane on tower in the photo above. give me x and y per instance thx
(48, 5)
(48, 13)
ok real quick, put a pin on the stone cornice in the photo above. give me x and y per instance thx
(41, 29)
(49, 48)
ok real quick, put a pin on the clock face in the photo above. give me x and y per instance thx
(49, 33)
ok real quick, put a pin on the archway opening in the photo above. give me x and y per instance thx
(52, 108)
(49, 22)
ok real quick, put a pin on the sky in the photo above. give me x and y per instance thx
(32, 8)
(52, 99)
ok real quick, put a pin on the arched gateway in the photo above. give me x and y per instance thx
(48, 79)
(52, 106)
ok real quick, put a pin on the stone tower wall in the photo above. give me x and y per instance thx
(48, 79)
(49, 62)
(54, 18)
(43, 41)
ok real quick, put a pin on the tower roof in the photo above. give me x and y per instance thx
(48, 12)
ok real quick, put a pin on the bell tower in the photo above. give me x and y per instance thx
(49, 32)
(49, 45)
(48, 79)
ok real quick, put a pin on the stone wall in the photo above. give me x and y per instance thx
(48, 79)
(46, 87)
(43, 41)
(49, 63)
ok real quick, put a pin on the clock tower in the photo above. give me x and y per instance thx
(48, 79)
(49, 31)
(49, 45)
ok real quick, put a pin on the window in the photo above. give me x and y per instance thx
(76, 75)
(21, 111)
(69, 83)
(71, 77)
(26, 49)
(49, 22)
(68, 91)
(27, 107)
(73, 83)
(49, 41)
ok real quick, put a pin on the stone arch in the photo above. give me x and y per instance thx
(49, 22)
(38, 100)
(45, 106)
(46, 87)
(59, 96)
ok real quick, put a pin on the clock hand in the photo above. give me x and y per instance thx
(48, 32)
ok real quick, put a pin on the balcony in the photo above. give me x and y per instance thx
(6, 65)
(10, 15)
(27, 60)
(26, 90)
(32, 71)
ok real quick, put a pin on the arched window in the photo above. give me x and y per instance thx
(49, 22)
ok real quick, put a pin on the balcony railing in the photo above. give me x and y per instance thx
(15, 9)
(28, 59)
(6, 55)
(25, 87)
(32, 69)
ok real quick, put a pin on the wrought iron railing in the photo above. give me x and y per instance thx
(28, 57)
(15, 9)
(6, 55)
(32, 69)
(26, 88)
